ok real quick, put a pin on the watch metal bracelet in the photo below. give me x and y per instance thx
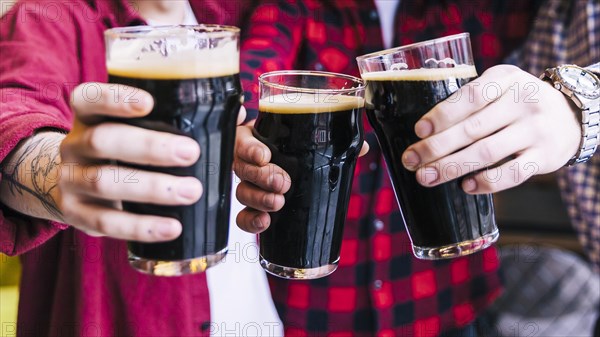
(590, 136)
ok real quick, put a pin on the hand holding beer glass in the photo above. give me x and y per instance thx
(311, 123)
(192, 72)
(402, 85)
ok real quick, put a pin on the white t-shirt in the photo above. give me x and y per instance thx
(189, 19)
(387, 12)
(240, 299)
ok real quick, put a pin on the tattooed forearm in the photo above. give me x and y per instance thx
(30, 176)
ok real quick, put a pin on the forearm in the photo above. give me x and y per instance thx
(29, 182)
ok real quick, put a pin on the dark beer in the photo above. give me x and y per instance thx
(316, 139)
(439, 216)
(203, 105)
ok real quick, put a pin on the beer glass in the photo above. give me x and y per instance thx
(192, 72)
(402, 85)
(311, 122)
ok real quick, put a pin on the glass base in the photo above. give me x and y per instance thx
(176, 268)
(457, 249)
(298, 273)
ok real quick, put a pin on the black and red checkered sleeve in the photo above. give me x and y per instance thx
(379, 288)
(270, 41)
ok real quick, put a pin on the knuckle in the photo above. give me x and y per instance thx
(241, 193)
(253, 152)
(242, 137)
(264, 199)
(264, 155)
(65, 148)
(537, 120)
(154, 147)
(102, 223)
(99, 186)
(236, 153)
(444, 114)
(509, 68)
(285, 181)
(156, 185)
(251, 174)
(485, 152)
(67, 209)
(486, 184)
(276, 182)
(522, 175)
(279, 202)
(158, 189)
(451, 171)
(238, 168)
(479, 98)
(141, 232)
(433, 146)
(498, 179)
(503, 70)
(105, 99)
(242, 220)
(473, 127)
(268, 200)
(76, 94)
(65, 178)
(94, 139)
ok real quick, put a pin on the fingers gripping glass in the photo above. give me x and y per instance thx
(402, 85)
(311, 122)
(192, 72)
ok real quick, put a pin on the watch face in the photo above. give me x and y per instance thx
(581, 81)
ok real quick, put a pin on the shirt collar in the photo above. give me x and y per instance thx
(120, 12)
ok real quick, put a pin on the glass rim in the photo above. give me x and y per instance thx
(263, 79)
(214, 31)
(370, 56)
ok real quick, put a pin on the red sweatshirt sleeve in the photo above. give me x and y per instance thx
(271, 40)
(38, 70)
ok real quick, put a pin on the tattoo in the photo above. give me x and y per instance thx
(39, 161)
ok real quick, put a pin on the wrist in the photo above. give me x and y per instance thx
(582, 88)
(30, 176)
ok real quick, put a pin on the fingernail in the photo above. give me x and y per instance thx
(167, 228)
(423, 128)
(269, 201)
(469, 185)
(189, 188)
(258, 155)
(142, 102)
(257, 223)
(411, 159)
(429, 175)
(186, 150)
(276, 182)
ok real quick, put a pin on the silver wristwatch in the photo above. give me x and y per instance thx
(582, 87)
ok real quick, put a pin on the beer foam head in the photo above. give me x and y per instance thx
(422, 74)
(179, 53)
(308, 103)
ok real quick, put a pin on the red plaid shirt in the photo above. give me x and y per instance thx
(379, 288)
